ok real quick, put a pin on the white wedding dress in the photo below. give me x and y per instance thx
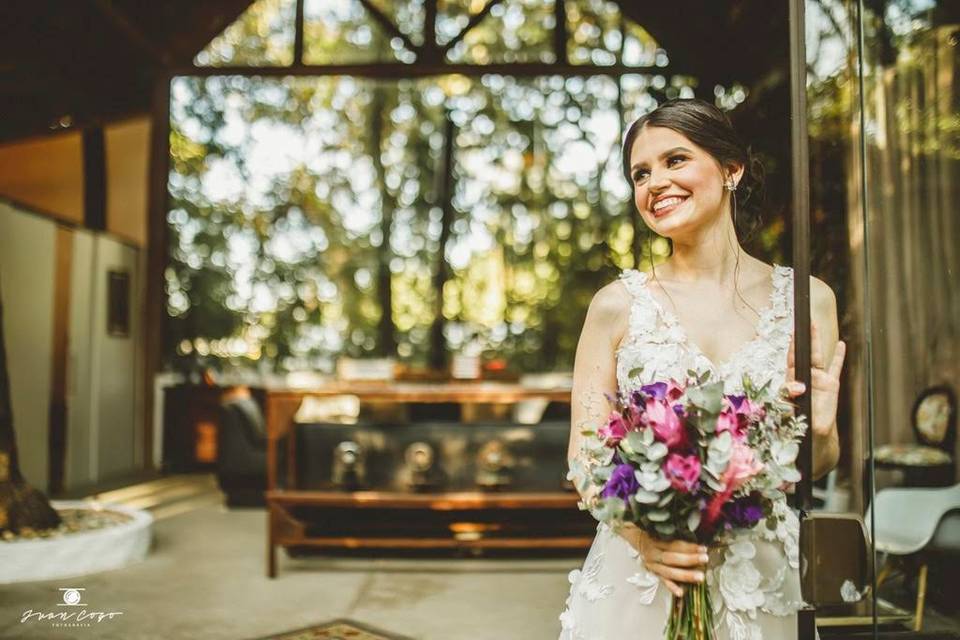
(754, 582)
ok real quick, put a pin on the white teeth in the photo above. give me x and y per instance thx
(667, 202)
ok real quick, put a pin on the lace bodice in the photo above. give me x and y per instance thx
(656, 340)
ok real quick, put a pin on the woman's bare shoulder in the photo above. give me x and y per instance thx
(609, 310)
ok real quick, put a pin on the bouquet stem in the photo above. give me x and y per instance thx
(691, 617)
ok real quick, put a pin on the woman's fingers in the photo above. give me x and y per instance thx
(836, 365)
(673, 559)
(816, 353)
(679, 546)
(676, 589)
(677, 574)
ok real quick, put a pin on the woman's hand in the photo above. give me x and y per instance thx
(673, 562)
(825, 381)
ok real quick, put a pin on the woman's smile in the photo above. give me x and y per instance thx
(667, 205)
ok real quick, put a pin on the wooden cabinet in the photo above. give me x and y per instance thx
(506, 518)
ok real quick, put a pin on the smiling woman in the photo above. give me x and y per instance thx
(732, 322)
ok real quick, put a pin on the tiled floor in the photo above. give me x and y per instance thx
(205, 579)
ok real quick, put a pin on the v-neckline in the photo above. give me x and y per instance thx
(672, 320)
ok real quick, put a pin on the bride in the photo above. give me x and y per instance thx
(711, 307)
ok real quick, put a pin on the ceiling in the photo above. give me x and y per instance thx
(85, 62)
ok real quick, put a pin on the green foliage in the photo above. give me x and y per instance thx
(296, 201)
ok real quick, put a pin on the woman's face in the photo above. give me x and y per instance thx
(678, 186)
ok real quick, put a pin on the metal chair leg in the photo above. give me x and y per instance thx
(921, 597)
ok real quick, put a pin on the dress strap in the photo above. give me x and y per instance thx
(634, 280)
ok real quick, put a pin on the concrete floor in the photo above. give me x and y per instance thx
(205, 579)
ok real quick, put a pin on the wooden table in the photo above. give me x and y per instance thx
(284, 529)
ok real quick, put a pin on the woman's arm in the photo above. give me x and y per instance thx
(594, 375)
(595, 367)
(826, 357)
(825, 379)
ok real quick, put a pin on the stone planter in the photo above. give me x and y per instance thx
(79, 553)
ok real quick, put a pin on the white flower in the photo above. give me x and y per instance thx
(647, 583)
(740, 629)
(739, 579)
(567, 622)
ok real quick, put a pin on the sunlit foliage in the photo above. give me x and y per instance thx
(294, 199)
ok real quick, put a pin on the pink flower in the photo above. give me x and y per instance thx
(737, 414)
(674, 390)
(712, 512)
(742, 467)
(667, 426)
(743, 406)
(729, 421)
(683, 472)
(615, 430)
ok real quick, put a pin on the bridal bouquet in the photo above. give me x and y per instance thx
(684, 461)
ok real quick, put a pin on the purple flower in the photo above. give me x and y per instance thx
(622, 483)
(656, 390)
(743, 512)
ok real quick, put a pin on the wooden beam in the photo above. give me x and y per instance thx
(155, 307)
(134, 35)
(388, 26)
(298, 35)
(429, 51)
(475, 19)
(400, 70)
(560, 36)
(94, 180)
(57, 440)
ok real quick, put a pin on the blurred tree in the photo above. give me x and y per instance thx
(22, 507)
(313, 217)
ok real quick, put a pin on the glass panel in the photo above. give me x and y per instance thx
(514, 31)
(342, 32)
(840, 583)
(911, 75)
(262, 36)
(596, 29)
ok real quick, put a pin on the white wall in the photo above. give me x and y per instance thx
(27, 281)
(104, 393)
(104, 398)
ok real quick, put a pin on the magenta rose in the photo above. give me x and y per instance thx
(615, 430)
(667, 425)
(683, 472)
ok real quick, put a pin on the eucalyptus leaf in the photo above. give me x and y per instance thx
(657, 450)
(693, 520)
(665, 528)
(635, 441)
(646, 497)
(647, 436)
(659, 516)
(609, 509)
(714, 484)
(708, 397)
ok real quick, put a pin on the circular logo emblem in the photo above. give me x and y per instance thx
(71, 596)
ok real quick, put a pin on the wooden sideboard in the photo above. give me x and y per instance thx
(284, 497)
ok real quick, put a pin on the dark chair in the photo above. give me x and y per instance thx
(929, 462)
(242, 452)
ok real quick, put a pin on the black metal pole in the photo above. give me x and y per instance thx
(806, 617)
